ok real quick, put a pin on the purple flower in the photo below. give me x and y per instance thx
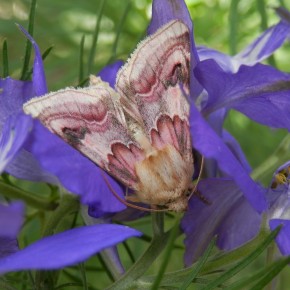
(12, 96)
(11, 218)
(13, 135)
(232, 219)
(67, 248)
(260, 92)
(279, 206)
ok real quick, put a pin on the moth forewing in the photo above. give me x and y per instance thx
(139, 132)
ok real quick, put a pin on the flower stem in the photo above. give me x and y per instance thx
(69, 204)
(31, 199)
(158, 223)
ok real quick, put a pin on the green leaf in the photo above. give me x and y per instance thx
(244, 262)
(198, 266)
(28, 43)
(5, 60)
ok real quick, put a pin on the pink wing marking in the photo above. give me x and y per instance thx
(89, 119)
(149, 84)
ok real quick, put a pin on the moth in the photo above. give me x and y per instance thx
(138, 131)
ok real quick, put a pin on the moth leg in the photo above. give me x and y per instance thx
(198, 194)
(132, 198)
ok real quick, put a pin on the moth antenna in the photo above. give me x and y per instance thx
(126, 202)
(198, 178)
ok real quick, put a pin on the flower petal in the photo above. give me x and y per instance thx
(224, 61)
(38, 77)
(236, 149)
(283, 238)
(109, 73)
(263, 46)
(8, 246)
(207, 142)
(256, 52)
(13, 135)
(11, 218)
(67, 248)
(229, 215)
(13, 94)
(76, 173)
(260, 92)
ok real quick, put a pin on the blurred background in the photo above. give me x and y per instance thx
(224, 25)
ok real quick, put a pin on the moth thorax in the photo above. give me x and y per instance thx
(164, 179)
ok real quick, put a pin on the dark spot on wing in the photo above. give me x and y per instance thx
(74, 135)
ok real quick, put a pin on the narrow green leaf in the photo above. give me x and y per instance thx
(11, 191)
(257, 276)
(5, 285)
(167, 255)
(199, 265)
(107, 270)
(233, 26)
(46, 52)
(271, 274)
(118, 33)
(244, 262)
(83, 275)
(95, 38)
(64, 286)
(5, 60)
(81, 61)
(142, 264)
(130, 253)
(28, 43)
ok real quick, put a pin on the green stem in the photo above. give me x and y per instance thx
(28, 43)
(31, 199)
(120, 26)
(167, 255)
(81, 61)
(158, 223)
(95, 38)
(111, 259)
(69, 204)
(5, 60)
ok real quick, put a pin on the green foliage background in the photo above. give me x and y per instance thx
(221, 24)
